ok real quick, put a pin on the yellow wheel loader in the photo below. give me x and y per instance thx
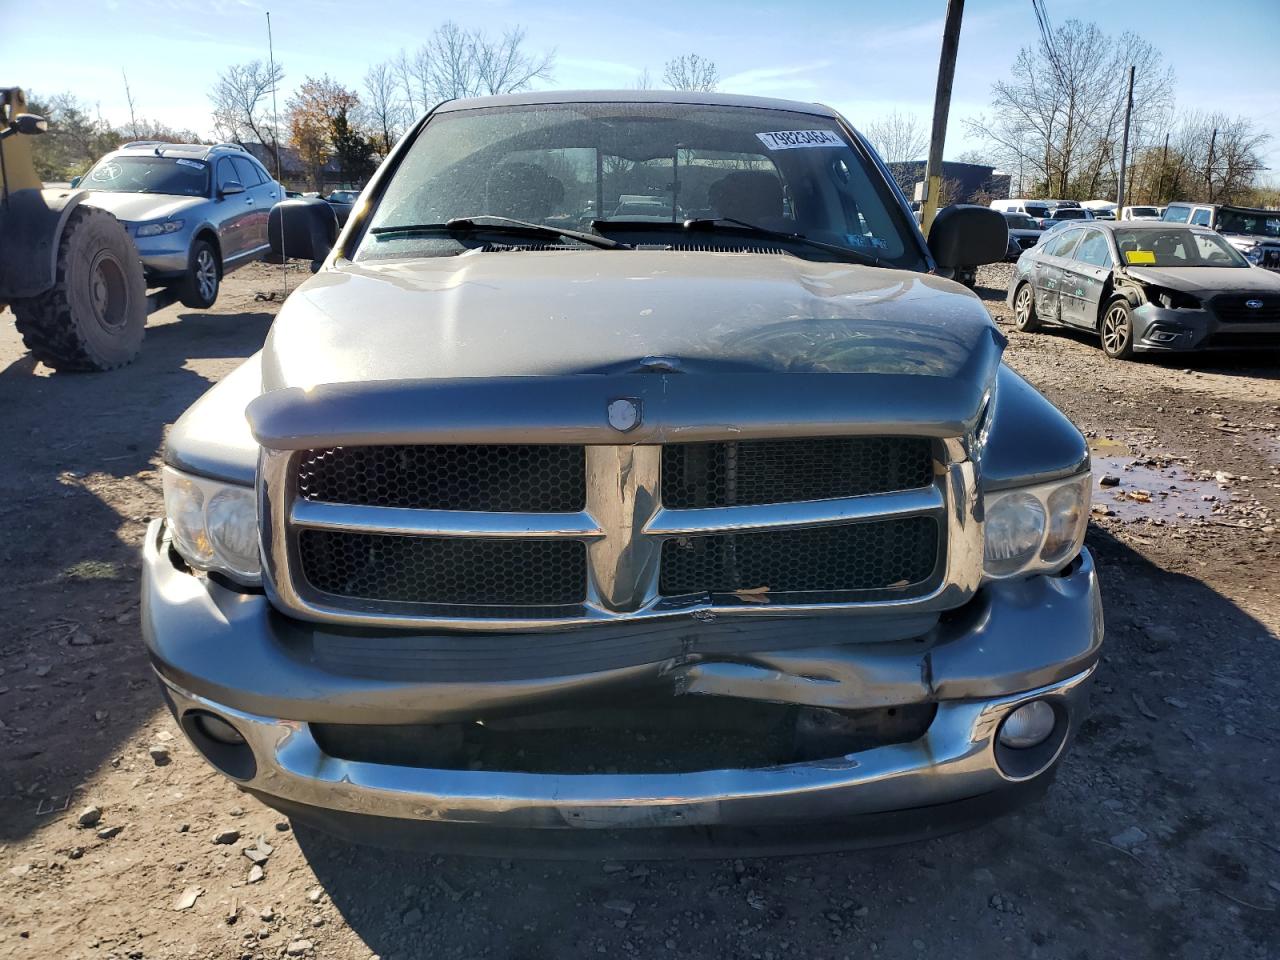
(69, 272)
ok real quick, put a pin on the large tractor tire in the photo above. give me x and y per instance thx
(94, 316)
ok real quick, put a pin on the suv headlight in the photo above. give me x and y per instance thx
(214, 525)
(159, 228)
(1035, 529)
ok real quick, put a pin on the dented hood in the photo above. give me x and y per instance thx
(423, 333)
(1210, 280)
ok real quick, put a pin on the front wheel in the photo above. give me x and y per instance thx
(1116, 331)
(1024, 310)
(199, 288)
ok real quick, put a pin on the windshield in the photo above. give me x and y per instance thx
(1036, 210)
(600, 167)
(1144, 212)
(1176, 247)
(173, 175)
(1018, 222)
(1256, 223)
(1070, 213)
(343, 196)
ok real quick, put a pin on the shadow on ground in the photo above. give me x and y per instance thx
(77, 486)
(1162, 754)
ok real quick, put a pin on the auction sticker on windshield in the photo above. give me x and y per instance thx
(795, 139)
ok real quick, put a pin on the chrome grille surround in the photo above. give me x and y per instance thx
(623, 526)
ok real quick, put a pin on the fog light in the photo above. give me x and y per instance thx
(1028, 726)
(215, 728)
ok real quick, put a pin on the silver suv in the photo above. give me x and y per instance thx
(195, 211)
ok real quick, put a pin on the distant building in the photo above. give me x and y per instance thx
(963, 182)
(293, 172)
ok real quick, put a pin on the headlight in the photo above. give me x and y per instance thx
(159, 228)
(214, 525)
(1035, 529)
(1174, 299)
(1253, 255)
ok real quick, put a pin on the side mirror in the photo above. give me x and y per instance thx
(230, 188)
(302, 229)
(966, 235)
(30, 124)
(75, 182)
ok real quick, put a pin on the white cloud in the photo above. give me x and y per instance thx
(775, 80)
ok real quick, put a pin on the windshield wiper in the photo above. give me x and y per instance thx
(488, 222)
(742, 226)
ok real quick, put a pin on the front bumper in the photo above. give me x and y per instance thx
(1157, 329)
(230, 654)
(163, 257)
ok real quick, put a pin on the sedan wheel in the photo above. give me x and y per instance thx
(1024, 310)
(1117, 331)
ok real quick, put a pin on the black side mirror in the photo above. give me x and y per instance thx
(75, 182)
(302, 229)
(966, 235)
(30, 124)
(231, 187)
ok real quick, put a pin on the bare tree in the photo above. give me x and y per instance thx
(643, 80)
(691, 71)
(383, 106)
(455, 62)
(898, 137)
(1057, 121)
(242, 103)
(133, 115)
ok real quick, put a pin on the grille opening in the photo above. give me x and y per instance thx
(516, 478)
(1234, 308)
(749, 472)
(439, 570)
(650, 734)
(872, 555)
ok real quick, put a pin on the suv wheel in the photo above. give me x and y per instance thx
(1116, 330)
(1024, 310)
(199, 288)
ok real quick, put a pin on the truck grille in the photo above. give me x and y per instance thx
(1234, 309)
(435, 570)
(777, 471)
(853, 557)
(519, 478)
(505, 536)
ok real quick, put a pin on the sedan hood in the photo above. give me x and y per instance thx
(523, 344)
(1210, 280)
(140, 207)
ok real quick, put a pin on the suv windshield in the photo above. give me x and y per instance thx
(173, 175)
(1070, 213)
(604, 166)
(1176, 247)
(1036, 210)
(1256, 223)
(1017, 221)
(1144, 212)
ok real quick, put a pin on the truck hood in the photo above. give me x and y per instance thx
(566, 312)
(140, 207)
(532, 346)
(1210, 280)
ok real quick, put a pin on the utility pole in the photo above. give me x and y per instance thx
(275, 113)
(941, 108)
(1208, 167)
(1124, 147)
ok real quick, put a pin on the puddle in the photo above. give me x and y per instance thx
(1148, 491)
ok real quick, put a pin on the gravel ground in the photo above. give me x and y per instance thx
(1158, 840)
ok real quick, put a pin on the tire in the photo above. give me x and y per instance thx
(95, 315)
(1115, 330)
(199, 288)
(1024, 310)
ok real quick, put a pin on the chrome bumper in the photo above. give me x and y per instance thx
(954, 761)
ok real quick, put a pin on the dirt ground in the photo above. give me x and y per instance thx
(1159, 839)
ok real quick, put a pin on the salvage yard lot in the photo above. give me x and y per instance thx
(1157, 841)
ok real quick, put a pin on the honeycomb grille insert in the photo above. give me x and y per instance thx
(865, 556)
(777, 471)
(436, 570)
(517, 478)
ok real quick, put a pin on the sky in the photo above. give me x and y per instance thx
(864, 57)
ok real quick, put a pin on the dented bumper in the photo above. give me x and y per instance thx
(229, 654)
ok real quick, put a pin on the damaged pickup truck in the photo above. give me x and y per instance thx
(718, 527)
